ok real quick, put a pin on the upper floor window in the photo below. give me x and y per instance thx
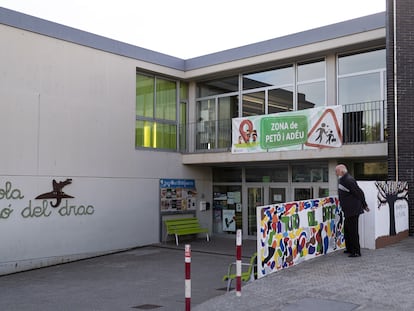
(362, 93)
(311, 85)
(361, 77)
(158, 112)
(268, 91)
(217, 87)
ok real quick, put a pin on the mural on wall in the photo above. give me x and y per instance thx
(57, 192)
(12, 203)
(395, 195)
(290, 233)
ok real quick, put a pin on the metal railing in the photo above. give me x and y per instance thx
(362, 123)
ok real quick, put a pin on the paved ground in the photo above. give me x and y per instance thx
(152, 278)
(381, 279)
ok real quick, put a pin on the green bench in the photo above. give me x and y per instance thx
(184, 226)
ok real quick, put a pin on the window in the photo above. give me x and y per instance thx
(361, 77)
(283, 89)
(311, 85)
(310, 172)
(217, 87)
(268, 92)
(371, 170)
(227, 174)
(267, 174)
(361, 92)
(160, 113)
(213, 126)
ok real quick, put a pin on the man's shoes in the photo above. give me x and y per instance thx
(346, 251)
(355, 255)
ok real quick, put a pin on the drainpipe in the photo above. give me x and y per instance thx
(395, 89)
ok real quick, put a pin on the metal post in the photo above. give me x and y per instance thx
(187, 277)
(238, 261)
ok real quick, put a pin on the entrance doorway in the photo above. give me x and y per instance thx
(260, 196)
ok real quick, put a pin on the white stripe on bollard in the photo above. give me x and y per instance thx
(238, 261)
(187, 283)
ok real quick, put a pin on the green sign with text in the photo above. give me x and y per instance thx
(280, 131)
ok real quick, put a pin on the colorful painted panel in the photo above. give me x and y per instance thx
(392, 198)
(290, 233)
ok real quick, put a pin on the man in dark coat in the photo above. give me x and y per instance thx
(353, 204)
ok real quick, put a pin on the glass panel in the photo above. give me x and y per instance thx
(217, 87)
(311, 71)
(227, 203)
(310, 173)
(166, 102)
(165, 136)
(227, 109)
(266, 174)
(302, 194)
(311, 95)
(371, 170)
(323, 192)
(183, 90)
(145, 96)
(255, 199)
(144, 134)
(276, 77)
(373, 60)
(227, 174)
(277, 195)
(254, 104)
(155, 135)
(183, 126)
(280, 100)
(206, 125)
(206, 110)
(360, 89)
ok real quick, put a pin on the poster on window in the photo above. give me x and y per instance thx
(177, 195)
(229, 220)
(295, 130)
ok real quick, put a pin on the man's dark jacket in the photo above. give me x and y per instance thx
(351, 196)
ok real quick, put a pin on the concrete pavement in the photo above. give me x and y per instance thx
(152, 278)
(381, 279)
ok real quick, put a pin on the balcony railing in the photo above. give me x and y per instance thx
(362, 123)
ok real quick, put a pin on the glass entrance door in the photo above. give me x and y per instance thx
(277, 195)
(302, 193)
(260, 196)
(255, 199)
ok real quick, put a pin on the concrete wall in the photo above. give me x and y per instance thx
(68, 111)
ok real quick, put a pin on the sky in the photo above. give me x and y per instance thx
(191, 28)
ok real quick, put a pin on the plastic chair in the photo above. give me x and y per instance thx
(248, 275)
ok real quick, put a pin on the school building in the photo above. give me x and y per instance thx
(102, 141)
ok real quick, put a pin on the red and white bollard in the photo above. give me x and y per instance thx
(187, 277)
(238, 261)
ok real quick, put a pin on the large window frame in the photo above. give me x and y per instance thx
(361, 85)
(161, 112)
(263, 92)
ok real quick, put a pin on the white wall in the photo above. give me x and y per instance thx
(375, 224)
(68, 111)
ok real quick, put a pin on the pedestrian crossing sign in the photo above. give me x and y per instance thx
(326, 133)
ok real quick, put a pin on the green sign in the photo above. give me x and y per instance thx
(280, 131)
